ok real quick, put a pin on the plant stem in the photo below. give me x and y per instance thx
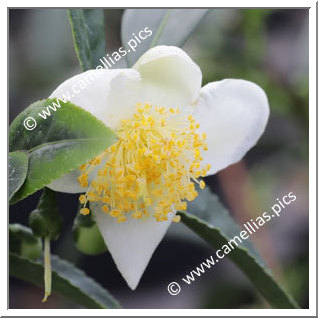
(47, 269)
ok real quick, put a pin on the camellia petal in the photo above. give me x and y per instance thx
(110, 95)
(69, 182)
(233, 113)
(130, 243)
(169, 77)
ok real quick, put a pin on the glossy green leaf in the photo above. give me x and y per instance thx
(67, 280)
(168, 27)
(208, 218)
(58, 144)
(18, 168)
(88, 35)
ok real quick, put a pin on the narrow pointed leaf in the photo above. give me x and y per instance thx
(88, 35)
(208, 218)
(67, 280)
(168, 27)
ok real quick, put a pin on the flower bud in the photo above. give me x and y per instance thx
(46, 221)
(87, 236)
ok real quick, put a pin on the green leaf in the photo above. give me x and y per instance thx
(59, 144)
(88, 35)
(18, 168)
(67, 280)
(168, 26)
(208, 218)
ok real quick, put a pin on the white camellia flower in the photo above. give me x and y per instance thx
(171, 132)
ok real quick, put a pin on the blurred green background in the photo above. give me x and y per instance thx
(266, 46)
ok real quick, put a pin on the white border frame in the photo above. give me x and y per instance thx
(312, 161)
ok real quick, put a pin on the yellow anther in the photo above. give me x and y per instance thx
(105, 199)
(82, 198)
(91, 196)
(202, 184)
(176, 218)
(114, 213)
(113, 148)
(105, 208)
(181, 206)
(84, 211)
(137, 215)
(83, 167)
(161, 110)
(151, 169)
(121, 219)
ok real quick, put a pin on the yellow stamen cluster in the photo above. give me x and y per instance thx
(151, 169)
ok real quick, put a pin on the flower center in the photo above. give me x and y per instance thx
(151, 169)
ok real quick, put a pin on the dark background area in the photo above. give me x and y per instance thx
(268, 47)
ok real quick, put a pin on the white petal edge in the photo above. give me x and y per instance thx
(69, 184)
(233, 113)
(169, 77)
(131, 243)
(107, 94)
